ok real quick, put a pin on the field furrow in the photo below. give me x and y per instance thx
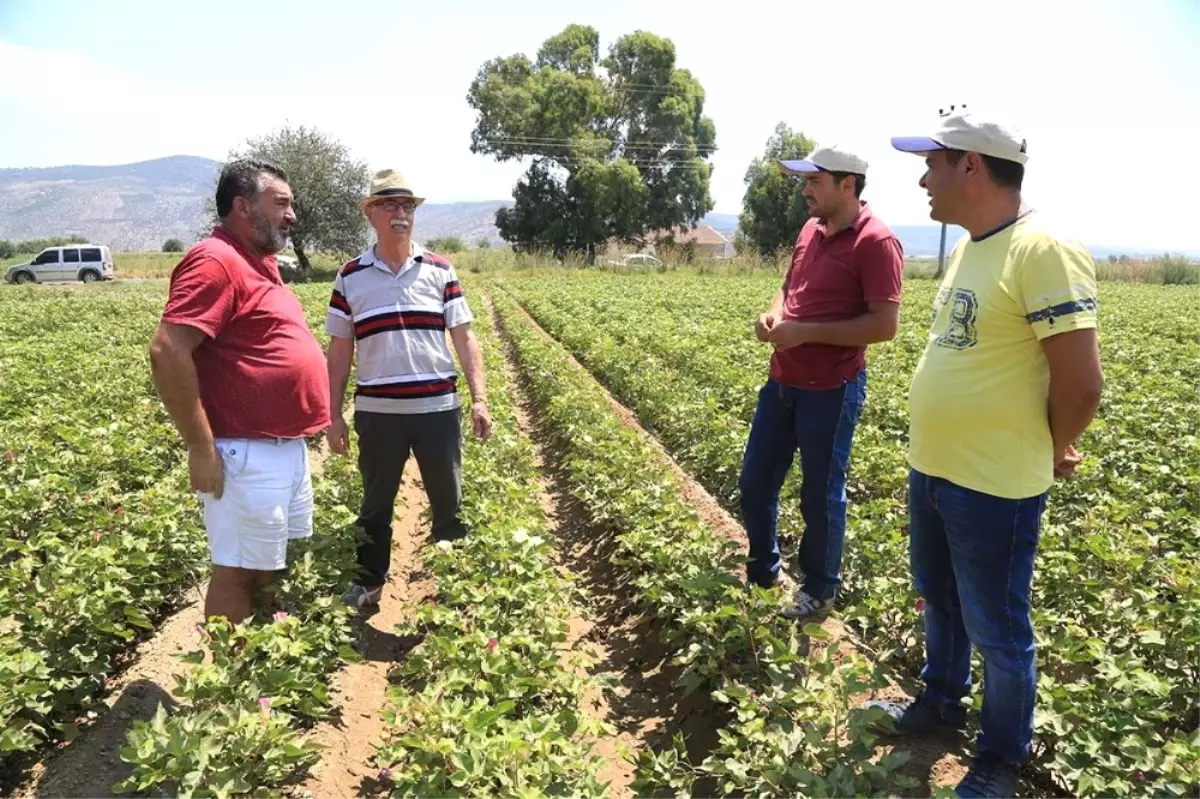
(493, 699)
(1118, 565)
(790, 695)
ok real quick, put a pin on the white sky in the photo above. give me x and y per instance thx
(1107, 95)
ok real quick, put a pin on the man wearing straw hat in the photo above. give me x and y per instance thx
(394, 304)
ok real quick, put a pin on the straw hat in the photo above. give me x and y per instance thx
(389, 183)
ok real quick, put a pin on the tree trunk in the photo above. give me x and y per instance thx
(301, 256)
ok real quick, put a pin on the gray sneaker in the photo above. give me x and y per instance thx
(918, 716)
(990, 777)
(808, 607)
(360, 596)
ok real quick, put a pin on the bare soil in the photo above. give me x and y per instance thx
(359, 691)
(567, 525)
(90, 764)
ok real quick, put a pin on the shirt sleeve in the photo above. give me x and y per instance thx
(797, 254)
(339, 319)
(201, 295)
(454, 302)
(1058, 290)
(881, 269)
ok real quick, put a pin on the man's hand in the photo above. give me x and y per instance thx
(338, 436)
(785, 335)
(205, 470)
(1064, 464)
(481, 420)
(762, 328)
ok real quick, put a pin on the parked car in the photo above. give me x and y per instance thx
(636, 259)
(88, 263)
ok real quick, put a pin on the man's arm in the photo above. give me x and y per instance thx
(776, 304)
(1076, 385)
(338, 360)
(766, 322)
(880, 269)
(175, 379)
(174, 374)
(878, 324)
(466, 346)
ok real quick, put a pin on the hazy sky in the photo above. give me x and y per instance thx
(1108, 96)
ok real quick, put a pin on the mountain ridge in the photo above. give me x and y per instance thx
(138, 206)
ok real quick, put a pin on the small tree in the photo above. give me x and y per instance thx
(327, 184)
(446, 244)
(773, 211)
(173, 245)
(7, 249)
(484, 243)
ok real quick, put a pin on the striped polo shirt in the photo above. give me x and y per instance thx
(399, 323)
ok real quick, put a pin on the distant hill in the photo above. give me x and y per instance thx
(128, 207)
(138, 206)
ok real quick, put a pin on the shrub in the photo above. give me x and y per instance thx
(446, 244)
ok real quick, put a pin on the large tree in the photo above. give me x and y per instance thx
(327, 184)
(773, 210)
(619, 145)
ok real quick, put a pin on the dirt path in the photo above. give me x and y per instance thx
(360, 689)
(90, 764)
(935, 762)
(568, 526)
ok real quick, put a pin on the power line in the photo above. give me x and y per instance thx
(581, 141)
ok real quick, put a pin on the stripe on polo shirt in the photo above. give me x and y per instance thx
(453, 291)
(393, 320)
(338, 304)
(408, 388)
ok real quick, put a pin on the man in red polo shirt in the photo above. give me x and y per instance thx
(841, 293)
(244, 380)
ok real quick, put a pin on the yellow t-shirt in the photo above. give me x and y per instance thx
(979, 400)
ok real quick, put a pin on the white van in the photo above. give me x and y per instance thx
(87, 262)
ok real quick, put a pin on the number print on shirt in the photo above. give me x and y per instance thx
(960, 332)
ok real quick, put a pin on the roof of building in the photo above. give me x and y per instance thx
(701, 235)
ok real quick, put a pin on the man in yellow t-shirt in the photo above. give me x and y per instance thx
(1009, 379)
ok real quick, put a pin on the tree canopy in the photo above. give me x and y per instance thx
(773, 210)
(619, 144)
(327, 184)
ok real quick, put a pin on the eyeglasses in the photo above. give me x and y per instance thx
(392, 206)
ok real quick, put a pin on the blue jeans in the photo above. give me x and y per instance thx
(821, 425)
(972, 560)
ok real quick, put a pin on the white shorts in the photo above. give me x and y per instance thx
(267, 500)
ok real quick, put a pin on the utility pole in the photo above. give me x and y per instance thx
(941, 267)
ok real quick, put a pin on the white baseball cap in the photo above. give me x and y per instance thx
(972, 133)
(828, 159)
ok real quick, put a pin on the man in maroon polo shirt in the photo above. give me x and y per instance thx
(244, 380)
(841, 293)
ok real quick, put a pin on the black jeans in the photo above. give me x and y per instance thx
(384, 442)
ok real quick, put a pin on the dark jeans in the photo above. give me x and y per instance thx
(384, 442)
(972, 560)
(821, 425)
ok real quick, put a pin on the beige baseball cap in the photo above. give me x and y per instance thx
(828, 159)
(972, 133)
